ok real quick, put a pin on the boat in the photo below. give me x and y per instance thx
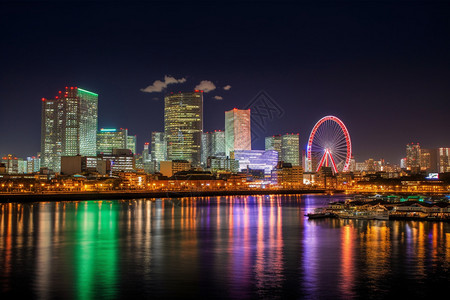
(364, 214)
(319, 213)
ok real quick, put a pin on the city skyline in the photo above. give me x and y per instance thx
(388, 83)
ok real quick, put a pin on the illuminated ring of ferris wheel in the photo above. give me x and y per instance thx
(329, 144)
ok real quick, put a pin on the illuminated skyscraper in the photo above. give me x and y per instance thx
(111, 138)
(158, 150)
(413, 157)
(131, 143)
(218, 143)
(290, 149)
(444, 160)
(183, 126)
(213, 144)
(273, 143)
(206, 147)
(429, 160)
(68, 126)
(237, 130)
(287, 146)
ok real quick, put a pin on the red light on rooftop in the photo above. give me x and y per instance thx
(71, 87)
(60, 92)
(43, 99)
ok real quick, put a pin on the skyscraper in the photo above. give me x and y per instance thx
(131, 143)
(213, 144)
(68, 126)
(413, 157)
(183, 126)
(218, 143)
(111, 138)
(290, 149)
(237, 130)
(287, 146)
(444, 160)
(158, 150)
(273, 143)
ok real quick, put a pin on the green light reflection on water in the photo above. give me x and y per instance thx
(96, 250)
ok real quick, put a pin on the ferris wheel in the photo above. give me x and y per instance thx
(329, 145)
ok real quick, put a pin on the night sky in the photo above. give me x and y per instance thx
(383, 68)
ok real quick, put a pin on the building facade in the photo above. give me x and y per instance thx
(158, 150)
(273, 143)
(290, 149)
(413, 157)
(111, 138)
(237, 130)
(443, 160)
(68, 126)
(183, 126)
(256, 160)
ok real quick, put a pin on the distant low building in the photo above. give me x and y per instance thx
(287, 176)
(256, 160)
(170, 167)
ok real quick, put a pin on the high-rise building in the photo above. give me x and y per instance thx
(68, 126)
(218, 143)
(290, 149)
(183, 126)
(33, 164)
(158, 150)
(444, 160)
(207, 150)
(131, 143)
(213, 144)
(237, 130)
(111, 138)
(429, 160)
(413, 157)
(273, 143)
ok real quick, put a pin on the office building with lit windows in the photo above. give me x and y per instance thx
(290, 149)
(158, 150)
(111, 138)
(237, 130)
(213, 144)
(183, 126)
(443, 160)
(68, 126)
(287, 146)
(413, 157)
(273, 143)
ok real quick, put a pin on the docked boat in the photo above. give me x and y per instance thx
(319, 213)
(374, 213)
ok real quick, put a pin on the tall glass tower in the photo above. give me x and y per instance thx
(237, 130)
(290, 149)
(158, 150)
(183, 126)
(68, 126)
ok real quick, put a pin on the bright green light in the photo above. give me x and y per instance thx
(108, 130)
(87, 92)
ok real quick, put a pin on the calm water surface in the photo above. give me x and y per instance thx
(215, 247)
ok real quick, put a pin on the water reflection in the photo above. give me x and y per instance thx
(226, 247)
